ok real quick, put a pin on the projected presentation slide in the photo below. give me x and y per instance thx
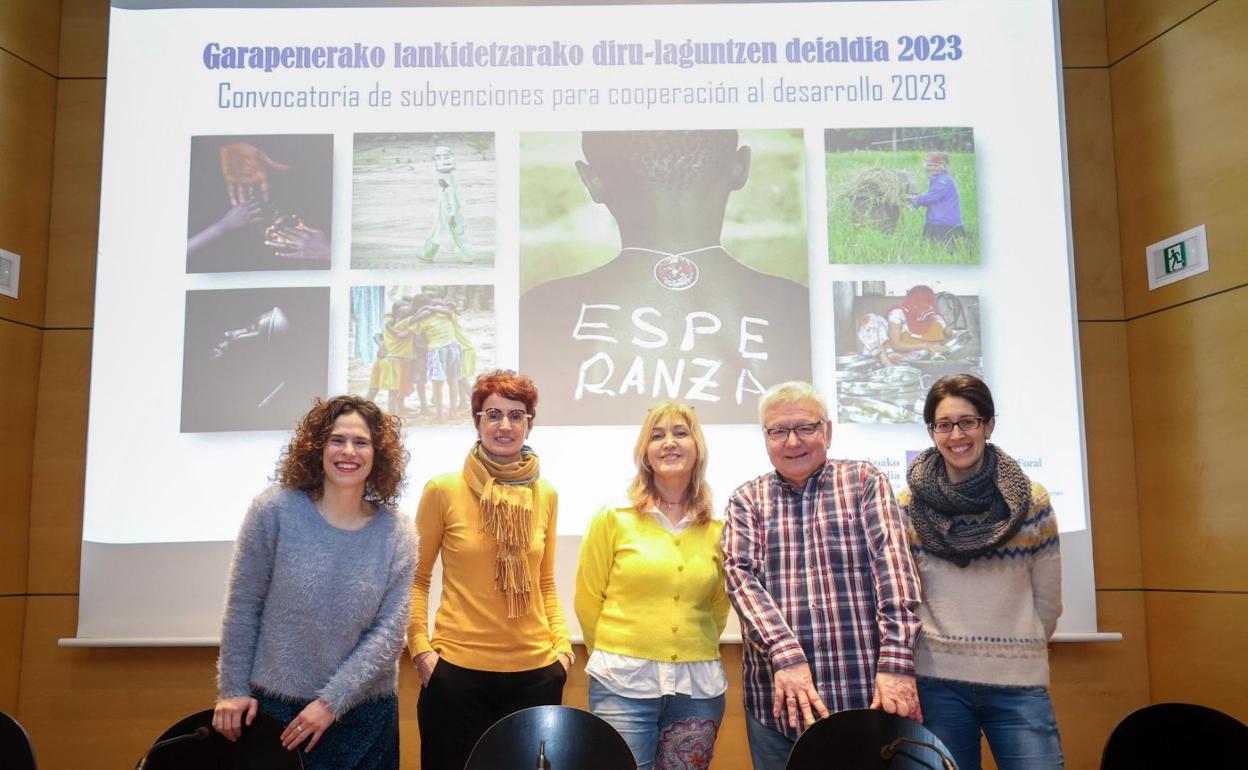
(628, 203)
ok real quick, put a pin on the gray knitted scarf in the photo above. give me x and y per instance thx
(999, 489)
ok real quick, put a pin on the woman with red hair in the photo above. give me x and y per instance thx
(499, 641)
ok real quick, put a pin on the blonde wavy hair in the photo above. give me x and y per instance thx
(642, 492)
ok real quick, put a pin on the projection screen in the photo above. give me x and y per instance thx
(284, 186)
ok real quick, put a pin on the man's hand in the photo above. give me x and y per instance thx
(897, 694)
(795, 694)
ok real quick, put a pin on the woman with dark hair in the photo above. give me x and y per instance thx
(319, 593)
(648, 564)
(499, 642)
(985, 540)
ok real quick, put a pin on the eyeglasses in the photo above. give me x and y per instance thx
(781, 435)
(495, 416)
(966, 425)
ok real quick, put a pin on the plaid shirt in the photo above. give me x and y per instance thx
(823, 576)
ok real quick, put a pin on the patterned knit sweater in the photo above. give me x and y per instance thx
(990, 622)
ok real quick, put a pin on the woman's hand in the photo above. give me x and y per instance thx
(426, 662)
(566, 661)
(230, 715)
(312, 722)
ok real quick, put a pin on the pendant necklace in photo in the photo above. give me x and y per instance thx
(674, 272)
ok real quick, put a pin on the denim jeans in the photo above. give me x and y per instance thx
(674, 732)
(769, 749)
(1018, 721)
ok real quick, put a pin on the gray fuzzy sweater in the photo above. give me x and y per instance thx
(313, 610)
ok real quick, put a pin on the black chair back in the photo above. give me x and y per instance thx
(571, 739)
(1176, 736)
(192, 744)
(16, 752)
(866, 739)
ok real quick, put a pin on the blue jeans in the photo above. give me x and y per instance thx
(1018, 721)
(674, 732)
(769, 750)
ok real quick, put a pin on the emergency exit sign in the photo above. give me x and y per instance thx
(1178, 257)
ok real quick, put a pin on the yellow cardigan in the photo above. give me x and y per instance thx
(646, 592)
(471, 628)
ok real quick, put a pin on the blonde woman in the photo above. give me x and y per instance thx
(651, 600)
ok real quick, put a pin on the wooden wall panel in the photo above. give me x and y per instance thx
(19, 376)
(84, 38)
(12, 621)
(31, 29)
(1130, 24)
(59, 462)
(1179, 117)
(1196, 650)
(28, 97)
(75, 210)
(107, 705)
(1189, 375)
(1111, 455)
(1083, 33)
(1093, 197)
(1095, 685)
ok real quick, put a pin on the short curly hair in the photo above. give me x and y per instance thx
(301, 465)
(505, 383)
(674, 161)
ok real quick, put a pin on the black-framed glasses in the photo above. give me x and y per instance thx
(781, 435)
(965, 424)
(495, 416)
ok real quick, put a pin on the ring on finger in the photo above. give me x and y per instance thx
(298, 728)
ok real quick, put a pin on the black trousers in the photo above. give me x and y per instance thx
(460, 704)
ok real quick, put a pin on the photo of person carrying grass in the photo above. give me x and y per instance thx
(902, 196)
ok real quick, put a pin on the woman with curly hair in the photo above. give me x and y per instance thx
(499, 642)
(647, 564)
(319, 593)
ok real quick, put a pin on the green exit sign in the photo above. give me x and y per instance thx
(1178, 257)
(1174, 257)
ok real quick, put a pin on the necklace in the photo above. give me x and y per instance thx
(675, 272)
(350, 522)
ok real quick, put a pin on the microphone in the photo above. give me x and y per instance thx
(889, 750)
(200, 733)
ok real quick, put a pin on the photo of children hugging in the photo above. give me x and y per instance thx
(420, 347)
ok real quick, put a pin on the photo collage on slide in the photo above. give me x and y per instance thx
(902, 196)
(423, 206)
(652, 265)
(256, 203)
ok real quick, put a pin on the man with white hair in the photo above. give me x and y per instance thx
(820, 572)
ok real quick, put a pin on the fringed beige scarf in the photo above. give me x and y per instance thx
(505, 492)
